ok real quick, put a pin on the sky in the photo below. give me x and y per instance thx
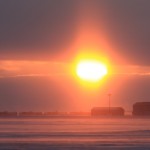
(39, 41)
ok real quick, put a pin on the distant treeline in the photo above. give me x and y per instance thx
(53, 113)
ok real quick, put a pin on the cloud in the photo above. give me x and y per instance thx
(48, 29)
(64, 93)
(33, 68)
(32, 94)
(126, 25)
(32, 29)
(18, 68)
(131, 70)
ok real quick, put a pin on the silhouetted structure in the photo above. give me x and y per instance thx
(55, 113)
(8, 114)
(141, 109)
(30, 114)
(79, 113)
(106, 111)
(58, 113)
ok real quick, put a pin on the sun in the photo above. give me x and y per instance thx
(91, 70)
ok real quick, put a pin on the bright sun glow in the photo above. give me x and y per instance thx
(91, 70)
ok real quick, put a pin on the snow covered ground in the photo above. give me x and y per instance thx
(59, 133)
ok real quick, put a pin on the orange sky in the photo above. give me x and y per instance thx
(39, 53)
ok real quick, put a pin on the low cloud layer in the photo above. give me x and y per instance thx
(53, 69)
